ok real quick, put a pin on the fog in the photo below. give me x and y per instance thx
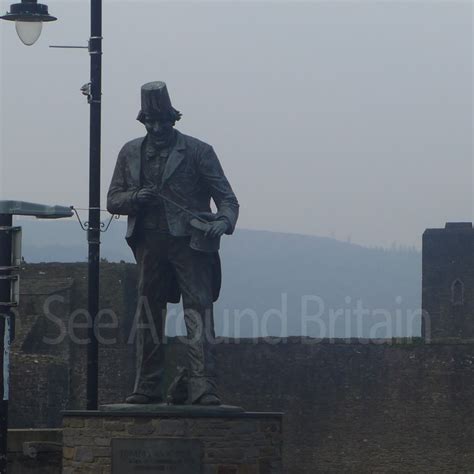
(343, 119)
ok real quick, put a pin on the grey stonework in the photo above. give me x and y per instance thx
(34, 451)
(448, 283)
(237, 444)
(350, 405)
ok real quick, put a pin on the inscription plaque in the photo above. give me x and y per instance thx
(157, 456)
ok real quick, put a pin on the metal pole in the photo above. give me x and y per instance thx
(95, 49)
(6, 220)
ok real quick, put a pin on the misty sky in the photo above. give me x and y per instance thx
(345, 119)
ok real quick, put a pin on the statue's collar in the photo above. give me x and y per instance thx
(151, 150)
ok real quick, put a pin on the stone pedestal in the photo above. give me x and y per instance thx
(182, 440)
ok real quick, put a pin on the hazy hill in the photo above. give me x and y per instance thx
(272, 280)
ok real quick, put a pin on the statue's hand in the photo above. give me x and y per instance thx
(145, 196)
(207, 216)
(216, 229)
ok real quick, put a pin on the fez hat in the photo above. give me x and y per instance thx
(156, 101)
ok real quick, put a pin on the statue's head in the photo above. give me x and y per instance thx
(157, 113)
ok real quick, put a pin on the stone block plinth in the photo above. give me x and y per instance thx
(123, 439)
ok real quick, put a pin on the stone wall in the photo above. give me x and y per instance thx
(247, 443)
(48, 372)
(361, 407)
(383, 406)
(448, 283)
(34, 451)
(40, 372)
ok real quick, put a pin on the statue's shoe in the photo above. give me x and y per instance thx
(139, 399)
(208, 399)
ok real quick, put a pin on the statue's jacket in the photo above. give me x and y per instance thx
(191, 178)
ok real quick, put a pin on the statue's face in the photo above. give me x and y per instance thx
(159, 128)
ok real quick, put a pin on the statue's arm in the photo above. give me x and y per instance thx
(121, 198)
(219, 188)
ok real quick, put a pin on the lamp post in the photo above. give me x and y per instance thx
(95, 100)
(27, 15)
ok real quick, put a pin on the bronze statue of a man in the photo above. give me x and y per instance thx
(164, 183)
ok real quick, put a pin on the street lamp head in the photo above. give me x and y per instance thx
(28, 10)
(28, 31)
(28, 16)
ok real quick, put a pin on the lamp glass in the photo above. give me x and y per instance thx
(29, 31)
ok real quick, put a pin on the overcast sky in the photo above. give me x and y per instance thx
(346, 119)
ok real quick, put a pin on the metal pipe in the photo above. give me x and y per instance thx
(95, 49)
(6, 220)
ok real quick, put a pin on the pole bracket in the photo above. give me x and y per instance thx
(95, 45)
(68, 47)
(85, 226)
